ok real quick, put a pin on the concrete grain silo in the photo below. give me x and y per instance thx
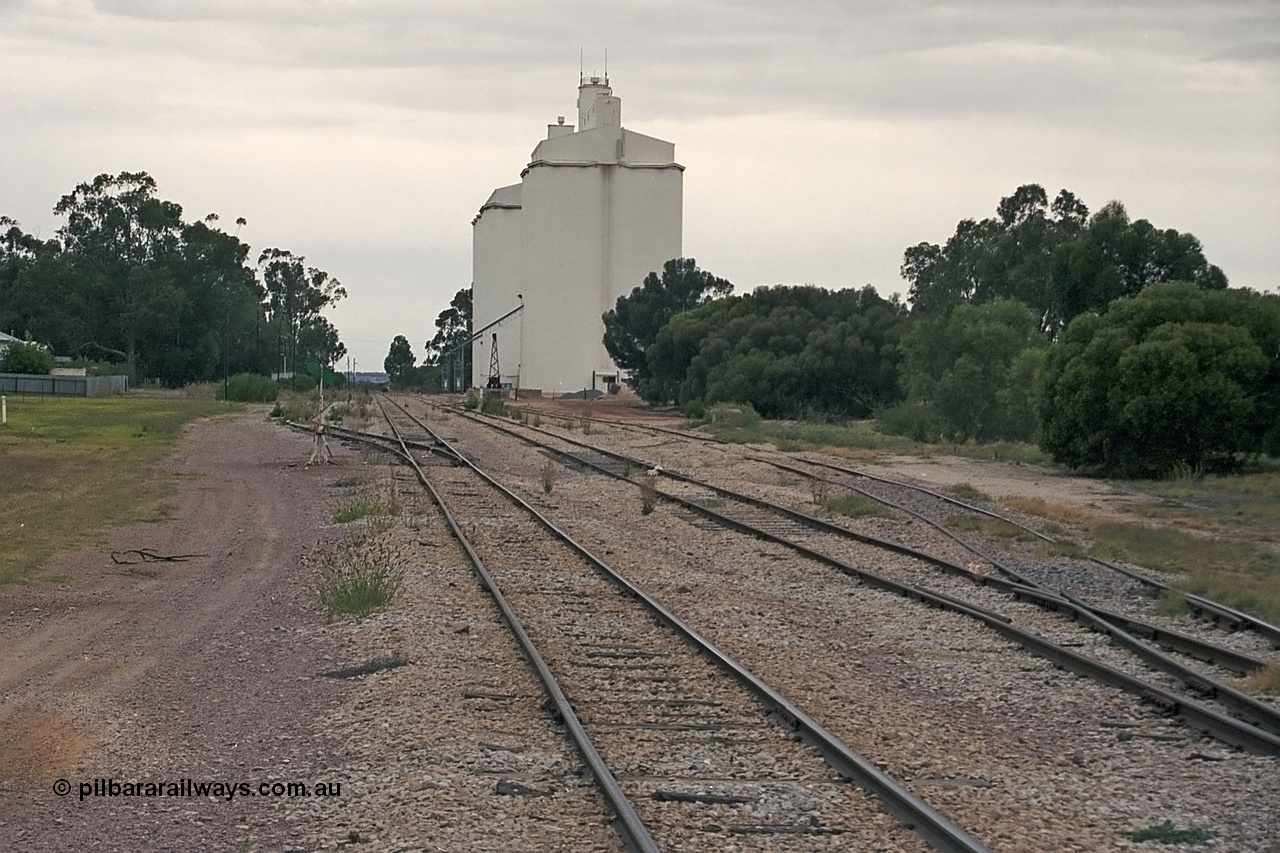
(597, 209)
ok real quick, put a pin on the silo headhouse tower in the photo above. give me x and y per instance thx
(597, 209)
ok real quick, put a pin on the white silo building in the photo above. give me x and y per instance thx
(597, 209)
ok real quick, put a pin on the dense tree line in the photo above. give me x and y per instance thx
(788, 351)
(1053, 258)
(128, 280)
(1114, 344)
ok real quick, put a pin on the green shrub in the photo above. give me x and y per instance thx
(250, 388)
(916, 421)
(28, 358)
(357, 581)
(493, 404)
(854, 505)
(301, 382)
(968, 492)
(1172, 382)
(733, 414)
(473, 400)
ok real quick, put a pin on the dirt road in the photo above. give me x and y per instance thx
(157, 673)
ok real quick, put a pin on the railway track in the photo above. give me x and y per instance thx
(890, 493)
(685, 742)
(965, 765)
(1199, 699)
(1220, 615)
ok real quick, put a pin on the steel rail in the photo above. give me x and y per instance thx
(1234, 732)
(382, 441)
(936, 829)
(1196, 648)
(1227, 729)
(1199, 649)
(1220, 613)
(1231, 618)
(627, 823)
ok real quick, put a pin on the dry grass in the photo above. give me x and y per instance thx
(648, 495)
(1041, 508)
(1001, 531)
(1227, 569)
(820, 489)
(1061, 548)
(292, 406)
(1265, 681)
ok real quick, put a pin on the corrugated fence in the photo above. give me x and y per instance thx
(73, 386)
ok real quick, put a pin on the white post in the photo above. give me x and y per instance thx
(4, 410)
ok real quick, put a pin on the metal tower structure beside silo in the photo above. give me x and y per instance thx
(597, 209)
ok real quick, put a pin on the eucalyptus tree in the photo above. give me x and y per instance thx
(399, 361)
(632, 325)
(1053, 257)
(122, 240)
(296, 294)
(449, 349)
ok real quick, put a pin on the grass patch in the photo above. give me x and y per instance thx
(994, 528)
(854, 505)
(1225, 560)
(354, 510)
(1167, 833)
(75, 468)
(1236, 502)
(968, 492)
(1061, 549)
(357, 579)
(794, 436)
(1233, 571)
(1174, 603)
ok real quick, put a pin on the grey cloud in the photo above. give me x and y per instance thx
(1249, 51)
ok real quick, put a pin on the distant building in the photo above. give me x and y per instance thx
(596, 210)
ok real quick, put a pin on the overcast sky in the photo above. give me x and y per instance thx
(820, 137)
